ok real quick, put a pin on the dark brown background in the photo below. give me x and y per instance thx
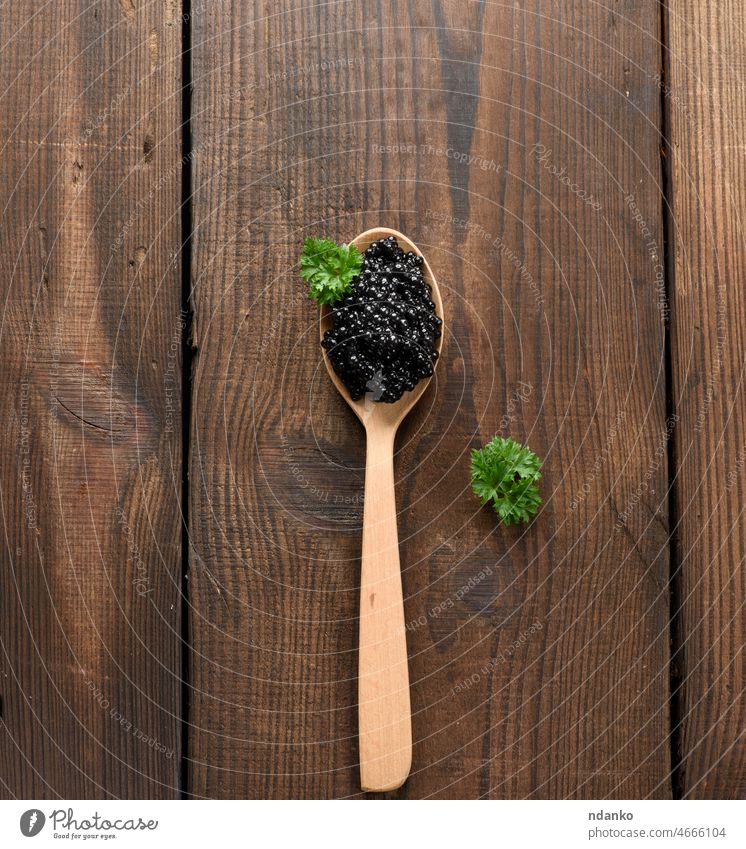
(575, 173)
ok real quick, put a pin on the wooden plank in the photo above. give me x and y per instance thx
(704, 94)
(90, 431)
(505, 140)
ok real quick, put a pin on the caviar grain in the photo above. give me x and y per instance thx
(384, 332)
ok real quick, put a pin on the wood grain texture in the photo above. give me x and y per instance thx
(90, 419)
(506, 140)
(706, 100)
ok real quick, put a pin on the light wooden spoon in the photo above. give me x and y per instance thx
(384, 715)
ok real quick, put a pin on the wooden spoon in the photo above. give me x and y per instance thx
(384, 716)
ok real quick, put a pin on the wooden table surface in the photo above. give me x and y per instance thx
(181, 486)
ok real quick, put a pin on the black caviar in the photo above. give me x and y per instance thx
(384, 330)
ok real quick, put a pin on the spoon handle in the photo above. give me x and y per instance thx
(385, 724)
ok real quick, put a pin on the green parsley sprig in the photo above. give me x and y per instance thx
(506, 473)
(329, 269)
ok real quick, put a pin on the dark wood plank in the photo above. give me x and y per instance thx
(539, 656)
(90, 432)
(704, 93)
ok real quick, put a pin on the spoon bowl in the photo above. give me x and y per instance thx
(384, 712)
(366, 410)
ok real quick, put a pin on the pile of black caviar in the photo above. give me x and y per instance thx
(384, 330)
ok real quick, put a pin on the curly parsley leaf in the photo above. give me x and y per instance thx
(329, 269)
(506, 473)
